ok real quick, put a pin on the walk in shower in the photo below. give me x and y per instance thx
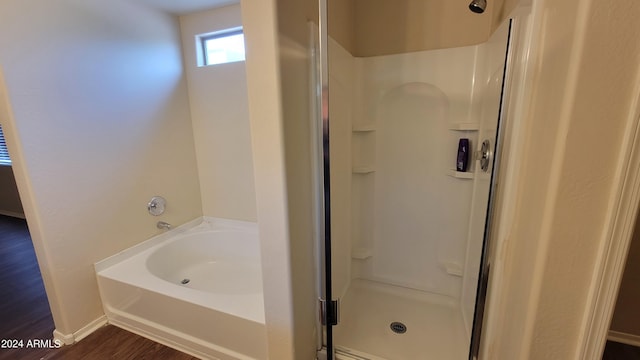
(405, 223)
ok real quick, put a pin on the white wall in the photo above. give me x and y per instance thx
(100, 124)
(278, 73)
(220, 117)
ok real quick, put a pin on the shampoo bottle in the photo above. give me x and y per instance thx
(463, 155)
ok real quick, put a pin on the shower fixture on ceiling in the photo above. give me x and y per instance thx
(478, 6)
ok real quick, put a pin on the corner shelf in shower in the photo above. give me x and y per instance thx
(363, 128)
(464, 126)
(361, 253)
(363, 170)
(460, 175)
(453, 268)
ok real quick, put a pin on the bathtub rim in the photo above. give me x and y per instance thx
(125, 268)
(155, 240)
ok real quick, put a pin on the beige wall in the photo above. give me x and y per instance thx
(391, 27)
(501, 10)
(380, 27)
(220, 118)
(341, 20)
(584, 75)
(100, 124)
(9, 198)
(626, 318)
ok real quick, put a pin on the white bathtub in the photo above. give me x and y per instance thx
(197, 288)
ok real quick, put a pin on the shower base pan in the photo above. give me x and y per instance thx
(369, 329)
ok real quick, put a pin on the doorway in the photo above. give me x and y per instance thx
(624, 332)
(24, 307)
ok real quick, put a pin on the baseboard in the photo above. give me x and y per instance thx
(66, 339)
(624, 338)
(12, 214)
(70, 339)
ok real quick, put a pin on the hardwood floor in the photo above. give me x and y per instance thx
(25, 317)
(111, 342)
(24, 309)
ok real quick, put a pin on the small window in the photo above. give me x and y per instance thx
(221, 47)
(4, 153)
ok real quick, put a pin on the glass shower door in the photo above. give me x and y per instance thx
(404, 226)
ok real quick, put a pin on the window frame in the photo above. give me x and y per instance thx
(203, 38)
(4, 160)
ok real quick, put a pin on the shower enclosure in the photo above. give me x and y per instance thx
(405, 225)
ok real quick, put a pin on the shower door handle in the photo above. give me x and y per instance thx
(484, 155)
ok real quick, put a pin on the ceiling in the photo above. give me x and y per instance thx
(180, 7)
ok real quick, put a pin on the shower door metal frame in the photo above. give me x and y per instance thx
(328, 306)
(485, 261)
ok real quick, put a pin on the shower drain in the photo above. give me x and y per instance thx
(184, 281)
(398, 327)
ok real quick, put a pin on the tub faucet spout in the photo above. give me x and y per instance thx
(163, 225)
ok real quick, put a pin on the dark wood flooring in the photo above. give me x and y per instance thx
(25, 315)
(24, 309)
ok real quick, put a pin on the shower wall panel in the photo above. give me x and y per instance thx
(411, 218)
